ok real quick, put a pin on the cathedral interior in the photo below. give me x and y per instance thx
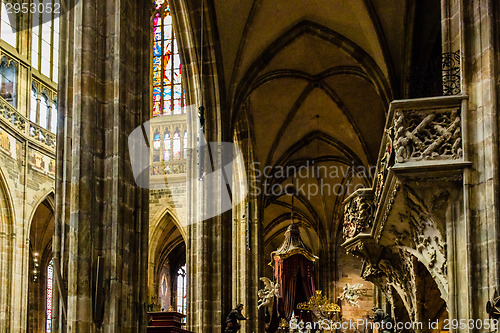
(331, 165)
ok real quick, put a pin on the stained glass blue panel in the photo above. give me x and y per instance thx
(177, 91)
(156, 49)
(168, 79)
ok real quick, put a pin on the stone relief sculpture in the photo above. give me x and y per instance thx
(357, 216)
(426, 135)
(351, 293)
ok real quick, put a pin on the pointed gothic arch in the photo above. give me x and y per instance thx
(167, 241)
(7, 219)
(40, 277)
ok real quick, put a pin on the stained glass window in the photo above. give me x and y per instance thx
(177, 145)
(156, 141)
(167, 147)
(168, 95)
(50, 277)
(182, 290)
(164, 284)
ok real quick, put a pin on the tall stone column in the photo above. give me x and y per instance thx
(209, 249)
(246, 233)
(473, 246)
(209, 238)
(100, 244)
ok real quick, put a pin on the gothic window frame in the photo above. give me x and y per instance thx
(10, 62)
(43, 91)
(177, 146)
(167, 146)
(42, 45)
(44, 110)
(181, 290)
(7, 21)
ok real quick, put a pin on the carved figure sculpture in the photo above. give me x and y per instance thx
(267, 294)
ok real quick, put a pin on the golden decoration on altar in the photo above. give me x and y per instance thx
(283, 323)
(318, 303)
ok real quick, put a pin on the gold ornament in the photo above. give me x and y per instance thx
(318, 304)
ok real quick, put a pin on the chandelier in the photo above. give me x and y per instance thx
(319, 305)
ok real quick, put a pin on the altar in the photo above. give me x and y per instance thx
(165, 322)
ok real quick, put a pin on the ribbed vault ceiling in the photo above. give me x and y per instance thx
(313, 79)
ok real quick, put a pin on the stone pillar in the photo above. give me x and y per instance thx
(209, 250)
(473, 247)
(246, 234)
(208, 239)
(102, 215)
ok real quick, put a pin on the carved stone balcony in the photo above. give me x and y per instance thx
(167, 165)
(47, 138)
(402, 222)
(422, 156)
(38, 136)
(167, 168)
(422, 135)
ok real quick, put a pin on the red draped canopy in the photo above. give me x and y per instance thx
(293, 266)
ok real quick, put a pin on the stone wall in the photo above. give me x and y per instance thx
(349, 271)
(26, 181)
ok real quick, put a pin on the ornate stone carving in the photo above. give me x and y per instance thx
(429, 246)
(267, 294)
(399, 237)
(12, 116)
(418, 131)
(427, 135)
(385, 162)
(400, 272)
(372, 272)
(42, 135)
(358, 215)
(350, 294)
(389, 207)
(19, 123)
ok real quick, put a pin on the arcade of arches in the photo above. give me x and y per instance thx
(169, 156)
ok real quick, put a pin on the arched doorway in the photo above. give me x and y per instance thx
(172, 280)
(167, 275)
(6, 249)
(40, 273)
